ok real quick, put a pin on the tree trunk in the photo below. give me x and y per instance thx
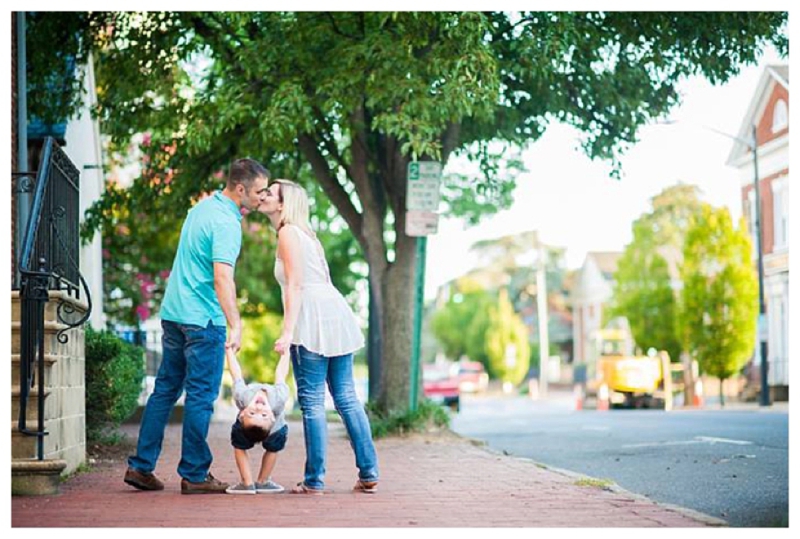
(397, 285)
(722, 392)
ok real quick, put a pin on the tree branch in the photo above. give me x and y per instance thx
(330, 184)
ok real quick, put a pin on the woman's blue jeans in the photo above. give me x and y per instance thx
(311, 372)
(193, 358)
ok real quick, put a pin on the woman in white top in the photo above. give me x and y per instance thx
(321, 333)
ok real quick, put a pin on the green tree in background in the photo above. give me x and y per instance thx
(720, 294)
(506, 342)
(257, 356)
(351, 98)
(454, 325)
(643, 289)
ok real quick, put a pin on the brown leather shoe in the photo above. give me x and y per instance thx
(211, 485)
(143, 481)
(370, 487)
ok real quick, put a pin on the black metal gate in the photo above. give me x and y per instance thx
(49, 260)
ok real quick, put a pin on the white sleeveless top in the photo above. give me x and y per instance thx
(325, 325)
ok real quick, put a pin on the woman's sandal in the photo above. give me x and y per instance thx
(370, 487)
(302, 488)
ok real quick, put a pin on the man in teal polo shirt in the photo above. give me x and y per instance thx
(200, 299)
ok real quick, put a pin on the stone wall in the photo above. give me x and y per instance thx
(65, 416)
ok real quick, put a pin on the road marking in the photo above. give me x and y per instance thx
(697, 440)
(722, 440)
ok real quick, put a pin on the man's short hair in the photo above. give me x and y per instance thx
(244, 171)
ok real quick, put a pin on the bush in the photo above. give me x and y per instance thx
(427, 415)
(114, 376)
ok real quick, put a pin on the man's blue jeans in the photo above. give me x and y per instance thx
(192, 359)
(311, 372)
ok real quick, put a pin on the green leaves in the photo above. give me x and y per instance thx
(720, 293)
(643, 288)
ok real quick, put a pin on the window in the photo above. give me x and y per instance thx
(780, 212)
(780, 116)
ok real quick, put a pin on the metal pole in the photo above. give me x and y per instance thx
(541, 304)
(419, 290)
(24, 195)
(762, 321)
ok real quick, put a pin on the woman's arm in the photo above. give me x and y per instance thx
(282, 370)
(291, 253)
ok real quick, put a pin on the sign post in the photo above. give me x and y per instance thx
(422, 203)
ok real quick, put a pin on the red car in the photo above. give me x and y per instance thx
(472, 377)
(440, 386)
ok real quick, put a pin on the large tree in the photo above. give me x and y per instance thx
(646, 283)
(719, 300)
(356, 96)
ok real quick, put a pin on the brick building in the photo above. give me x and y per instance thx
(768, 118)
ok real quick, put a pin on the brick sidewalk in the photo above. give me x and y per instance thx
(426, 481)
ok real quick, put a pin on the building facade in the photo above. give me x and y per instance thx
(594, 287)
(767, 119)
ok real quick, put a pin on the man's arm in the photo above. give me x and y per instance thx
(225, 287)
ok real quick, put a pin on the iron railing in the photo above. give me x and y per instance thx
(48, 261)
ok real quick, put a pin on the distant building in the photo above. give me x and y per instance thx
(769, 113)
(592, 290)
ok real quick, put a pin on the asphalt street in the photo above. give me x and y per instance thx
(730, 464)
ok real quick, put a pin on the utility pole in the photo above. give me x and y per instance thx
(541, 304)
(762, 319)
(762, 332)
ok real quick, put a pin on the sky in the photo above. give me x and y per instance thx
(574, 203)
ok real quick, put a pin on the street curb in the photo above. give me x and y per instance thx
(613, 487)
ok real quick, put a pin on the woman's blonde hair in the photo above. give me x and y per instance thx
(295, 205)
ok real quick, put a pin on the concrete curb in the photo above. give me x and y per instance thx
(613, 487)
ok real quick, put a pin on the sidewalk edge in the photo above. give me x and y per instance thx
(613, 487)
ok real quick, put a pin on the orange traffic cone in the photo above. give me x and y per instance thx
(697, 400)
(602, 398)
(579, 397)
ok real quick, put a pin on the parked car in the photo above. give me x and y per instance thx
(439, 385)
(472, 377)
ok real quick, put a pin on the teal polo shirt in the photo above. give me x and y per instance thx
(212, 232)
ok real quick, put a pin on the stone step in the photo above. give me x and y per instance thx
(31, 412)
(31, 477)
(49, 361)
(51, 307)
(51, 344)
(23, 446)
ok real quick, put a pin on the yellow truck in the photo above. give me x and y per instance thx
(616, 377)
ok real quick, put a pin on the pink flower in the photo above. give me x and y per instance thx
(146, 139)
(143, 312)
(164, 274)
